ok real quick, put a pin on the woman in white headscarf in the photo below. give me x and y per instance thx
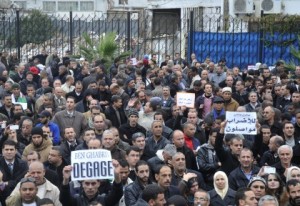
(221, 194)
(293, 173)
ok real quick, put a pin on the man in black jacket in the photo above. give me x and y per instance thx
(128, 129)
(135, 189)
(228, 158)
(12, 169)
(207, 159)
(240, 176)
(115, 113)
(90, 189)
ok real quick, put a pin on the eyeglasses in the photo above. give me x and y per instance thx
(27, 179)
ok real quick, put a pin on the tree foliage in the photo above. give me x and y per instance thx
(296, 54)
(34, 28)
(104, 48)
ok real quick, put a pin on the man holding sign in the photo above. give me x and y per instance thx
(90, 189)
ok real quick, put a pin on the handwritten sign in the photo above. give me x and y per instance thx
(241, 123)
(91, 164)
(185, 99)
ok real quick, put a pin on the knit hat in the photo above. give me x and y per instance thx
(218, 99)
(34, 70)
(37, 131)
(227, 89)
(257, 178)
(132, 112)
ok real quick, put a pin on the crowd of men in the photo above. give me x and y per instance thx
(162, 153)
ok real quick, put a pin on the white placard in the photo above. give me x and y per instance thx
(134, 61)
(24, 105)
(241, 123)
(185, 99)
(91, 164)
(252, 67)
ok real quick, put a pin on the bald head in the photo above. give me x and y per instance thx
(36, 165)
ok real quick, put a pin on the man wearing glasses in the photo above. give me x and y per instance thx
(202, 198)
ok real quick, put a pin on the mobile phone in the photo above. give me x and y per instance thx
(14, 127)
(269, 170)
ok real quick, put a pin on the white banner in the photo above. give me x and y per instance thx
(91, 164)
(185, 99)
(241, 123)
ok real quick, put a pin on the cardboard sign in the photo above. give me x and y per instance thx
(91, 164)
(241, 123)
(185, 99)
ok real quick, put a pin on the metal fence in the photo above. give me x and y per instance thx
(241, 41)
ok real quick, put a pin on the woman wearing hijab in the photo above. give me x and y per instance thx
(293, 173)
(221, 194)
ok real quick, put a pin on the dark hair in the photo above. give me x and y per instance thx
(132, 148)
(45, 201)
(123, 163)
(58, 149)
(213, 130)
(9, 142)
(151, 192)
(278, 192)
(115, 98)
(240, 195)
(292, 182)
(140, 163)
(159, 168)
(137, 135)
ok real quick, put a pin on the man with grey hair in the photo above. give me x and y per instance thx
(285, 153)
(163, 157)
(109, 143)
(268, 200)
(202, 198)
(270, 157)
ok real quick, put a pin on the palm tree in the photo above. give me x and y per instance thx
(103, 48)
(296, 54)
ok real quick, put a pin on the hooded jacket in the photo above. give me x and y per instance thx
(43, 150)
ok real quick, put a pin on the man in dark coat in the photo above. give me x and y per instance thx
(90, 189)
(115, 113)
(12, 169)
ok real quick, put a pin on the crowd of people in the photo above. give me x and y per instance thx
(163, 153)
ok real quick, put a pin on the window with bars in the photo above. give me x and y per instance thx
(86, 6)
(68, 6)
(49, 6)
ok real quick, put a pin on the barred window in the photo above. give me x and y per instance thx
(49, 6)
(68, 6)
(122, 2)
(22, 4)
(86, 6)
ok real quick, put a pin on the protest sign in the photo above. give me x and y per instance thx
(185, 99)
(241, 123)
(91, 164)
